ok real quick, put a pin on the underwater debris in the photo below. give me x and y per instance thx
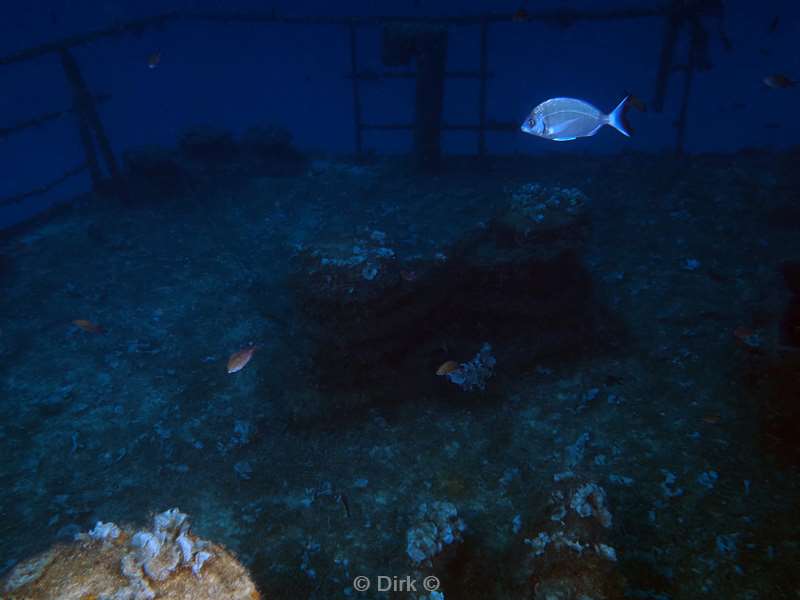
(243, 469)
(590, 500)
(573, 454)
(620, 480)
(667, 485)
(708, 479)
(569, 556)
(104, 531)
(475, 373)
(535, 207)
(166, 562)
(691, 264)
(438, 525)
(373, 300)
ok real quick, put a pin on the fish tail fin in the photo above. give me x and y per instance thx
(618, 118)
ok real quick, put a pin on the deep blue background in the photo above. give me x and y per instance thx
(237, 75)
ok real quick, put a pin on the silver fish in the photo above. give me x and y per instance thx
(563, 119)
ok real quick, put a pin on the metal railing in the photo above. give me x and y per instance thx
(678, 16)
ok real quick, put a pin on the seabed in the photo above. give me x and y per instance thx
(687, 425)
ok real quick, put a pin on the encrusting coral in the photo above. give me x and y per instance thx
(118, 563)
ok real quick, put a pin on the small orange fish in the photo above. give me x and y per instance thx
(521, 16)
(239, 360)
(154, 60)
(778, 81)
(88, 326)
(449, 367)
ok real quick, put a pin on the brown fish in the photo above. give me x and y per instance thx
(154, 60)
(239, 360)
(449, 367)
(88, 326)
(521, 16)
(778, 81)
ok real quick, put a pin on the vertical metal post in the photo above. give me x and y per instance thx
(78, 103)
(673, 25)
(482, 91)
(356, 90)
(680, 124)
(90, 119)
(431, 59)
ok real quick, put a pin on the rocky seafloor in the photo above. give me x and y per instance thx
(653, 454)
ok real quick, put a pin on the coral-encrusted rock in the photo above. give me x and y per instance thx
(432, 541)
(569, 557)
(438, 525)
(383, 313)
(545, 220)
(115, 563)
(364, 306)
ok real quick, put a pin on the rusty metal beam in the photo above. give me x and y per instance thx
(89, 120)
(16, 199)
(44, 119)
(674, 22)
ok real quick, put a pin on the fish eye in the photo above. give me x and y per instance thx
(531, 122)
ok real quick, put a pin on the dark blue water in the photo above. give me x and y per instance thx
(369, 334)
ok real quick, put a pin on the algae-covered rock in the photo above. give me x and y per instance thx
(569, 557)
(438, 525)
(120, 563)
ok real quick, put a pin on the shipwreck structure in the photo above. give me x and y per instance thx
(384, 313)
(416, 40)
